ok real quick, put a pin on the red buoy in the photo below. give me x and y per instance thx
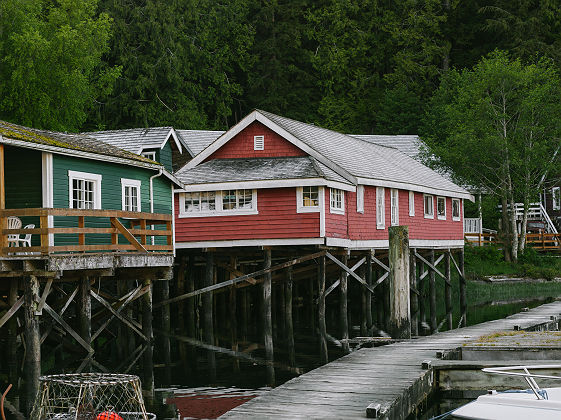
(108, 415)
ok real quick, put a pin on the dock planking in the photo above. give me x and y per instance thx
(390, 375)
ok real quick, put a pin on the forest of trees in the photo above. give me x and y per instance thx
(363, 66)
(477, 79)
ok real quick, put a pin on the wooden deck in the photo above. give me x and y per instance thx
(391, 376)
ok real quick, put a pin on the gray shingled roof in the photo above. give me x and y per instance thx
(257, 169)
(363, 159)
(133, 139)
(408, 144)
(198, 140)
(76, 142)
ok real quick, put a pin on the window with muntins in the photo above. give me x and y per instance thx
(199, 202)
(380, 208)
(84, 190)
(411, 203)
(237, 200)
(360, 199)
(218, 203)
(130, 192)
(149, 155)
(337, 201)
(441, 208)
(556, 194)
(310, 196)
(394, 207)
(456, 209)
(429, 206)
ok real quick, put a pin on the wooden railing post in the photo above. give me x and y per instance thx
(81, 236)
(44, 223)
(480, 238)
(143, 227)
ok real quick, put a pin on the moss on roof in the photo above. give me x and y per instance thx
(77, 142)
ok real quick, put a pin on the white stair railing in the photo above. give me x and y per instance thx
(550, 226)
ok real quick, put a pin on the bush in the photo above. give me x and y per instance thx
(529, 256)
(490, 254)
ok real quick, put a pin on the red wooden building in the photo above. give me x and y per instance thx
(273, 181)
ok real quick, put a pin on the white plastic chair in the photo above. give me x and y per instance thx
(13, 223)
(26, 240)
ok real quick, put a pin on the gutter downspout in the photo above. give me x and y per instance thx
(160, 172)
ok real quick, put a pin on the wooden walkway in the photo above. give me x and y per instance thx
(390, 375)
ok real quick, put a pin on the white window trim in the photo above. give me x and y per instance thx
(86, 176)
(219, 211)
(300, 208)
(149, 155)
(360, 199)
(134, 183)
(555, 207)
(336, 210)
(428, 216)
(256, 140)
(380, 216)
(459, 217)
(436, 209)
(411, 203)
(394, 221)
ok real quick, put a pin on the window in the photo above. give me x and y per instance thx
(456, 209)
(360, 199)
(149, 155)
(556, 196)
(218, 203)
(337, 201)
(429, 206)
(84, 190)
(394, 207)
(130, 194)
(199, 202)
(307, 199)
(258, 142)
(380, 208)
(441, 208)
(411, 203)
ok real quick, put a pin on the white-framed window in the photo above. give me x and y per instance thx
(411, 203)
(218, 203)
(130, 194)
(84, 190)
(360, 199)
(149, 155)
(456, 209)
(307, 199)
(428, 201)
(441, 208)
(336, 201)
(394, 207)
(556, 196)
(258, 142)
(380, 208)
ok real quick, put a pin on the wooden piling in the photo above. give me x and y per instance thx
(208, 316)
(448, 289)
(131, 339)
(310, 306)
(400, 321)
(368, 273)
(85, 313)
(267, 318)
(324, 357)
(288, 317)
(147, 330)
(422, 299)
(12, 356)
(32, 368)
(364, 296)
(380, 294)
(463, 293)
(343, 308)
(414, 293)
(432, 293)
(166, 327)
(122, 351)
(233, 316)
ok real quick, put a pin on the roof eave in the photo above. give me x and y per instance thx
(418, 188)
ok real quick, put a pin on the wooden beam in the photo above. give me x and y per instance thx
(348, 270)
(43, 299)
(11, 311)
(68, 328)
(68, 301)
(380, 263)
(235, 271)
(431, 266)
(129, 236)
(337, 282)
(240, 279)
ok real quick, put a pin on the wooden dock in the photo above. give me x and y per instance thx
(392, 376)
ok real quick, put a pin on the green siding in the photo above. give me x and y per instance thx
(164, 156)
(23, 180)
(110, 192)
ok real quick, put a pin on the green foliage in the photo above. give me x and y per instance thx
(50, 61)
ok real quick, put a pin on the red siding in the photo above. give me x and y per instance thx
(277, 218)
(241, 145)
(335, 224)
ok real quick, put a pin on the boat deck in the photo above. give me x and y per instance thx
(391, 376)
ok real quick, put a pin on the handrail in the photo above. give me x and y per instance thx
(133, 226)
(528, 377)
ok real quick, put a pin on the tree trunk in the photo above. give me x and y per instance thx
(524, 227)
(505, 229)
(513, 228)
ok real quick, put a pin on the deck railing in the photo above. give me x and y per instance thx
(120, 231)
(540, 241)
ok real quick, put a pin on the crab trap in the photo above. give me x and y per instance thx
(90, 396)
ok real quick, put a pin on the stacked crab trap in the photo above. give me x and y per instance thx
(90, 396)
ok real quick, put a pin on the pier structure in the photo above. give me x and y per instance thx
(388, 382)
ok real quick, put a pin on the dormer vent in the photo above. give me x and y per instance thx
(258, 142)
